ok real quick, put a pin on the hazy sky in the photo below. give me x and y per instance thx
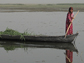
(41, 1)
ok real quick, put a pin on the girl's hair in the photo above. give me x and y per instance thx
(70, 9)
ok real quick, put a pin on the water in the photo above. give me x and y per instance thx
(36, 22)
(39, 23)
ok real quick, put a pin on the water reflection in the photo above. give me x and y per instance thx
(13, 45)
(68, 47)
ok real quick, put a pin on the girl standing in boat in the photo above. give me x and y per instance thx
(69, 18)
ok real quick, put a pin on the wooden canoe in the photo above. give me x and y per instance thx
(68, 39)
(8, 45)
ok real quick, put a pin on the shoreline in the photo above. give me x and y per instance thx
(40, 7)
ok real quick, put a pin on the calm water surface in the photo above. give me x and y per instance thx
(44, 23)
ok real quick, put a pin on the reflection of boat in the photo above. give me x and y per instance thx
(69, 38)
(64, 46)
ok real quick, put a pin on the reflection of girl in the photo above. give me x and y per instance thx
(68, 21)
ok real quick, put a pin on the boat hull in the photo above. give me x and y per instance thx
(68, 39)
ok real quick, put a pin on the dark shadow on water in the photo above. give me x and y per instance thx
(9, 45)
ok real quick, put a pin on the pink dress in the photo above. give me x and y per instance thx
(69, 55)
(68, 20)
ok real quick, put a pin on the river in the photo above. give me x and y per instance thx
(40, 23)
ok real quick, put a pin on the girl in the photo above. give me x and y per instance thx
(69, 18)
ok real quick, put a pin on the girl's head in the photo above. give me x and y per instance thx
(71, 9)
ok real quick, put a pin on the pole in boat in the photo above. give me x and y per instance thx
(70, 24)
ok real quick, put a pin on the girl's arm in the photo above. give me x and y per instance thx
(69, 17)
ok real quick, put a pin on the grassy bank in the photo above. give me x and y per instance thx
(40, 7)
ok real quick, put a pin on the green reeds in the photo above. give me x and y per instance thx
(14, 32)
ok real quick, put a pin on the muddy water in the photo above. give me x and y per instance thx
(40, 23)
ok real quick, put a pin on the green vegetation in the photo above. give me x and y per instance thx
(12, 32)
(41, 7)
